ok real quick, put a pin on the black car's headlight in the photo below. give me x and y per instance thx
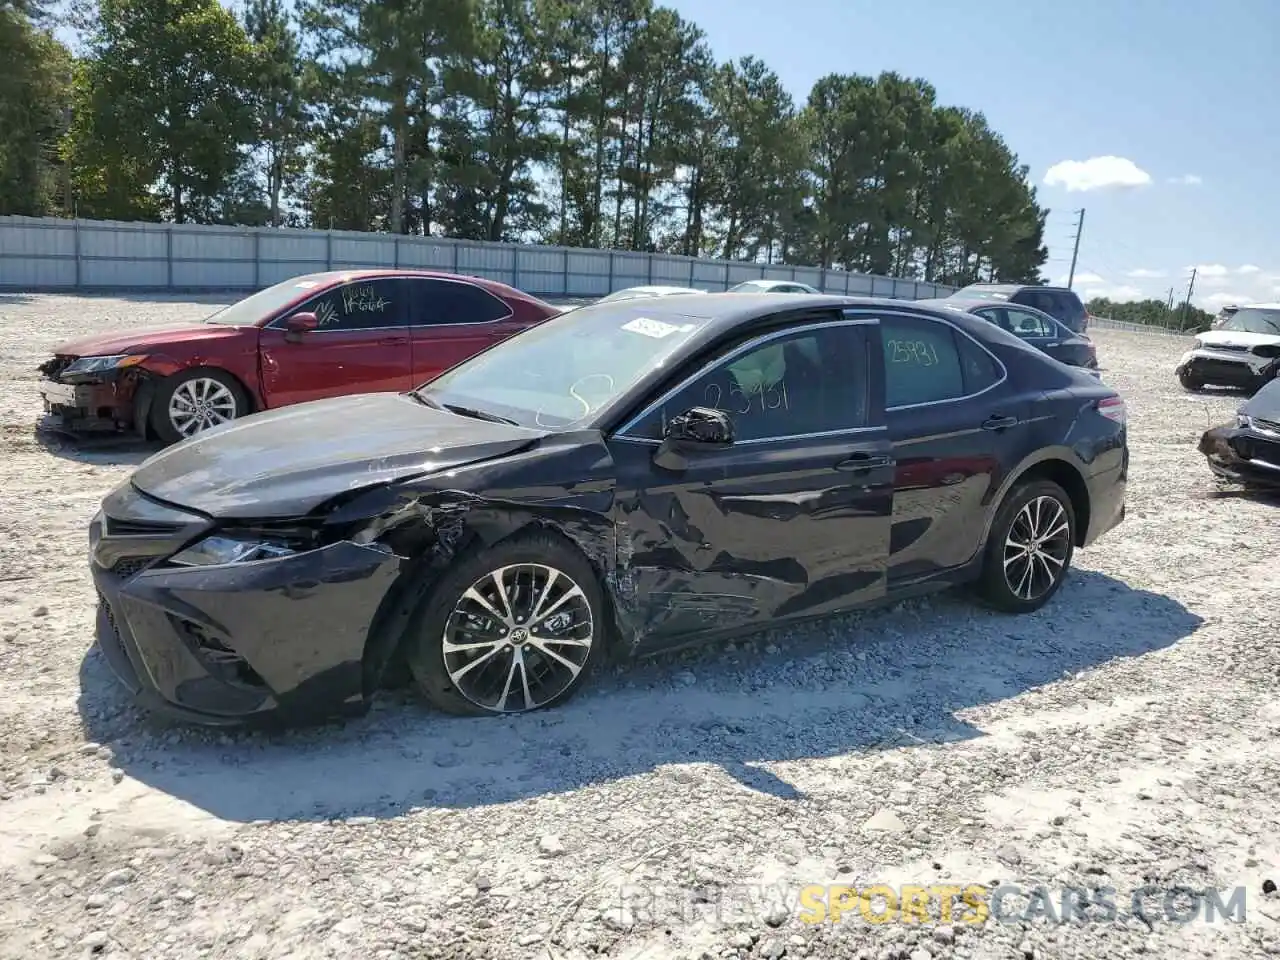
(1243, 422)
(221, 549)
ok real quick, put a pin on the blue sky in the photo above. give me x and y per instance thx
(1181, 95)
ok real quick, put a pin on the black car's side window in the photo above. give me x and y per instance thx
(1026, 324)
(812, 381)
(362, 305)
(921, 362)
(979, 369)
(447, 302)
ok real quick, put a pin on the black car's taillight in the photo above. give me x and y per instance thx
(1113, 409)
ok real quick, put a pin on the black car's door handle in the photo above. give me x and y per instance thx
(997, 422)
(863, 461)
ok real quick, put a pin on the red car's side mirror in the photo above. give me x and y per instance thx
(299, 324)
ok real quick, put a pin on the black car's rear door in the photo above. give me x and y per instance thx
(792, 519)
(956, 430)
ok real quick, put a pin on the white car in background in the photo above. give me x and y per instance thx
(632, 293)
(1243, 352)
(773, 286)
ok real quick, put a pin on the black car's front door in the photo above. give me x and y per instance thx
(792, 519)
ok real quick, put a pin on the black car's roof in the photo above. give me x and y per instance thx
(729, 314)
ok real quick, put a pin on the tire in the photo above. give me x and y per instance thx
(450, 615)
(1189, 382)
(1002, 584)
(225, 397)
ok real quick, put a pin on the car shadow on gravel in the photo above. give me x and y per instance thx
(106, 451)
(861, 683)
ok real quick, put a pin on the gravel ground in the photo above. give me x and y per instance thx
(1125, 737)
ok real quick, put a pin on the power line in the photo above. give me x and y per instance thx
(1076, 250)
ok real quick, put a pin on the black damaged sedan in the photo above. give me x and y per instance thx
(1248, 451)
(622, 479)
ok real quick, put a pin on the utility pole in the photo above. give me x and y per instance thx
(1187, 303)
(1076, 252)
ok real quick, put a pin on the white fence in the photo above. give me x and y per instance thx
(54, 254)
(1108, 324)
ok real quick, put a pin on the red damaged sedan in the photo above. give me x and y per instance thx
(310, 338)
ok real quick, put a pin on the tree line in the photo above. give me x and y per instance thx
(588, 123)
(1154, 313)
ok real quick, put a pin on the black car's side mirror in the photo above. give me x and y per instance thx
(701, 427)
(299, 324)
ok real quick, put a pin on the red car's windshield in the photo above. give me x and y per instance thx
(251, 310)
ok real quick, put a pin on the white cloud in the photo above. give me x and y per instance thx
(1083, 279)
(1249, 268)
(1096, 173)
(1120, 294)
(1216, 301)
(1144, 274)
(1209, 270)
(1187, 180)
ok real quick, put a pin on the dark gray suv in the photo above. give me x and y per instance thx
(1059, 302)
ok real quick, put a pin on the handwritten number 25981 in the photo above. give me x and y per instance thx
(912, 351)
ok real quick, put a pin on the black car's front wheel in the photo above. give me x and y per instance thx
(513, 628)
(1029, 549)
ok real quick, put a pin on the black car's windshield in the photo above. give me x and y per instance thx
(1245, 320)
(565, 369)
(247, 312)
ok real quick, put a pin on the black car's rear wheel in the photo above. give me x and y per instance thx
(1029, 549)
(513, 628)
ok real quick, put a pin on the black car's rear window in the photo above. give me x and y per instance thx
(1060, 304)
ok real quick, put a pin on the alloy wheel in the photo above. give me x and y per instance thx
(518, 638)
(1036, 548)
(200, 403)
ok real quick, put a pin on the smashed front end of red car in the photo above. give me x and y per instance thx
(92, 394)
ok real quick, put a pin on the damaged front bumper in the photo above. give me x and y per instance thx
(101, 402)
(228, 644)
(1243, 455)
(1227, 368)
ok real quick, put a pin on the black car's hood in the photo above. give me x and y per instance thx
(287, 462)
(1265, 403)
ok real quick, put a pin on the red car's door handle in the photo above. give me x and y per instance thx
(392, 341)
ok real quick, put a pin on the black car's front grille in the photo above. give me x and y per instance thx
(113, 527)
(127, 567)
(1221, 369)
(1251, 448)
(1271, 426)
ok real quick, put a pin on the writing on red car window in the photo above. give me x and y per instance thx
(326, 313)
(916, 352)
(742, 402)
(363, 300)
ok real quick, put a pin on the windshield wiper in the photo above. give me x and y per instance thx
(478, 414)
(426, 401)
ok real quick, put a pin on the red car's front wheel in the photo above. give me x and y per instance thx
(190, 403)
